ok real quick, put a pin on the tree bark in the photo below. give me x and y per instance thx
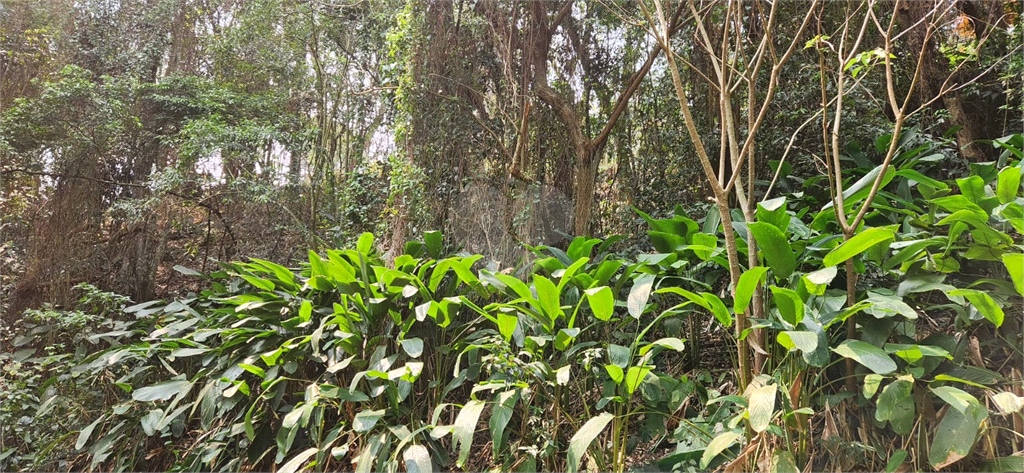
(934, 72)
(588, 150)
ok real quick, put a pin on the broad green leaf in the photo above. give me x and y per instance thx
(581, 247)
(569, 272)
(747, 285)
(161, 391)
(884, 306)
(692, 297)
(261, 283)
(791, 307)
(1014, 212)
(984, 303)
(364, 462)
(1008, 402)
(946, 377)
(912, 250)
(718, 309)
(805, 341)
(921, 179)
(501, 414)
(1010, 464)
(896, 460)
(972, 187)
(188, 272)
(955, 203)
(670, 343)
(816, 282)
(562, 375)
(365, 243)
(602, 302)
(186, 352)
(871, 383)
(776, 249)
(639, 294)
(634, 376)
(507, 324)
(957, 398)
(256, 370)
(717, 445)
(565, 337)
(677, 225)
(857, 245)
(783, 462)
(955, 436)
(773, 211)
(866, 354)
(417, 459)
(581, 441)
(615, 373)
(465, 427)
(704, 245)
(912, 352)
(434, 241)
(619, 355)
(1014, 263)
(974, 218)
(365, 420)
(666, 242)
(547, 294)
(761, 406)
(83, 435)
(896, 405)
(1009, 183)
(517, 286)
(414, 346)
(860, 189)
(283, 274)
(293, 465)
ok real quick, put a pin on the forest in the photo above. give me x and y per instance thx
(511, 235)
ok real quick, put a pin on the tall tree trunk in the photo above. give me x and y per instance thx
(934, 72)
(588, 150)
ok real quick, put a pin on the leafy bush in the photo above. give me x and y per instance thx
(347, 362)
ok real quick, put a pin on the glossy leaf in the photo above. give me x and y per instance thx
(602, 302)
(417, 459)
(717, 445)
(955, 436)
(747, 285)
(639, 294)
(293, 465)
(761, 405)
(548, 296)
(1008, 184)
(366, 419)
(1014, 263)
(581, 441)
(896, 405)
(161, 391)
(501, 414)
(465, 427)
(984, 303)
(778, 254)
(957, 398)
(857, 245)
(434, 243)
(866, 354)
(634, 376)
(804, 341)
(790, 306)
